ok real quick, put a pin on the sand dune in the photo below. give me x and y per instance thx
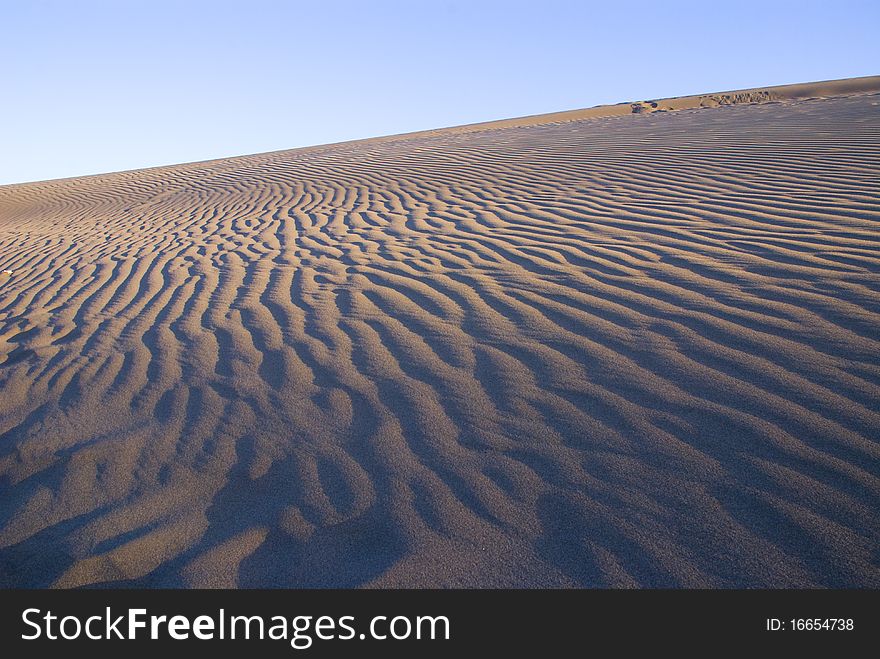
(577, 350)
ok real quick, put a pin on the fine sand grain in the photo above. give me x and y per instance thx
(630, 346)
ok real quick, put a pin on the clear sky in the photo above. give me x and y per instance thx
(95, 86)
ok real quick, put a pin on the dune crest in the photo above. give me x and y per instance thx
(585, 350)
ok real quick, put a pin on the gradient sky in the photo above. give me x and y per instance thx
(90, 87)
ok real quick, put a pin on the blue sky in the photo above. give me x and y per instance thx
(92, 87)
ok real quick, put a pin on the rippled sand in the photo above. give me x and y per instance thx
(635, 350)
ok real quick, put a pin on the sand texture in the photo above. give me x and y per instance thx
(639, 350)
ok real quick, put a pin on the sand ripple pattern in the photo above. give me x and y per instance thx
(620, 352)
